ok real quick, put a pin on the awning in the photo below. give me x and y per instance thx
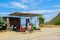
(24, 14)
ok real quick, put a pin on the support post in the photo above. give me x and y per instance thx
(37, 23)
(8, 24)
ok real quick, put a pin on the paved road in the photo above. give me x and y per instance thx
(43, 34)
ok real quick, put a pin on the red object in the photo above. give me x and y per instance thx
(21, 29)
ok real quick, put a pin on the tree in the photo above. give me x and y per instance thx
(41, 20)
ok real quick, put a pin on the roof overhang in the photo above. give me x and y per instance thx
(24, 14)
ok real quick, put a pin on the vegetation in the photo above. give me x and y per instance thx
(2, 23)
(41, 20)
(55, 20)
(41, 25)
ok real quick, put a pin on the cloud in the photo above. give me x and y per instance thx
(41, 1)
(31, 4)
(27, 1)
(19, 5)
(14, 5)
(41, 11)
(4, 5)
(57, 6)
(50, 16)
(48, 0)
(4, 13)
(31, 1)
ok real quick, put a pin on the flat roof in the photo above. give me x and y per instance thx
(11, 17)
(24, 14)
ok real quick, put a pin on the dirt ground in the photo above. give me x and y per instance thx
(43, 34)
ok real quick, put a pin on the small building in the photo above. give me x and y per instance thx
(15, 19)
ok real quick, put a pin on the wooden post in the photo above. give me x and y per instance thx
(8, 24)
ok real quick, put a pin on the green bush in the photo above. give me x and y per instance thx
(57, 22)
(41, 25)
(41, 20)
(2, 23)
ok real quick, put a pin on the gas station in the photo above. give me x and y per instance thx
(17, 17)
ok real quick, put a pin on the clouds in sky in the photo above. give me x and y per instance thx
(47, 7)
(19, 5)
(57, 6)
(41, 11)
(4, 13)
(24, 4)
(4, 5)
(14, 5)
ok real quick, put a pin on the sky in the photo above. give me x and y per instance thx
(49, 8)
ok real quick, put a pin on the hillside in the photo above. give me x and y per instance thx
(55, 19)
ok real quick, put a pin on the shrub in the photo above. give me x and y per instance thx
(2, 23)
(57, 22)
(41, 20)
(41, 25)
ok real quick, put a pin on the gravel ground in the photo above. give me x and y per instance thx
(43, 34)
